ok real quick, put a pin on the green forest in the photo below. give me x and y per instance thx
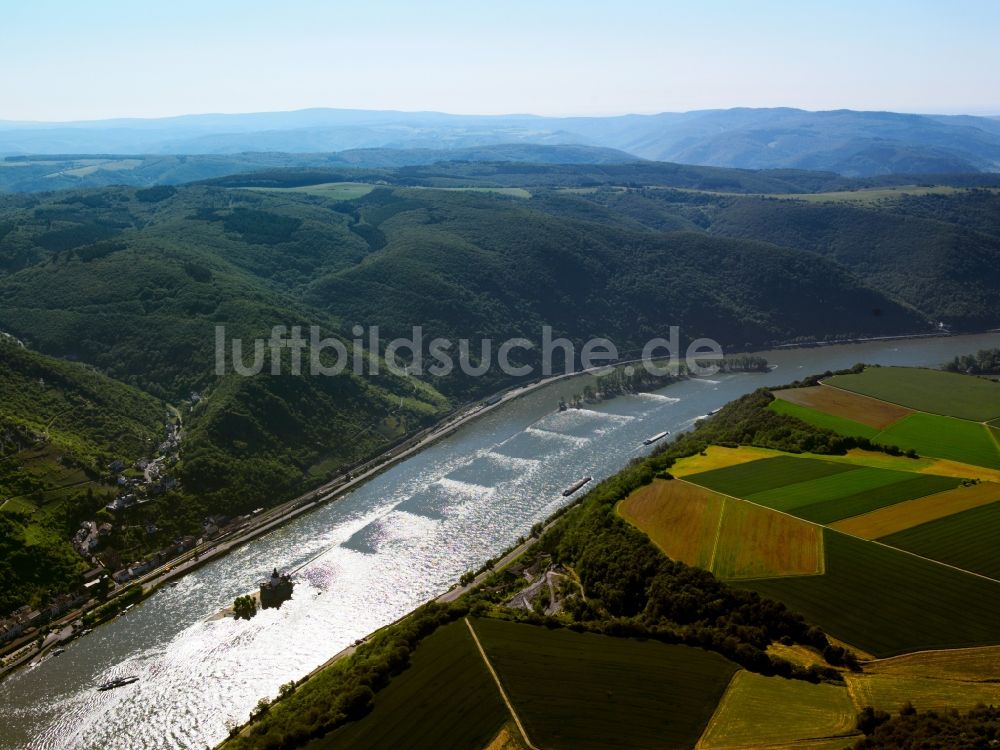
(132, 282)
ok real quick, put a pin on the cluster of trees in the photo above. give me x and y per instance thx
(983, 362)
(743, 363)
(261, 227)
(951, 730)
(950, 272)
(244, 607)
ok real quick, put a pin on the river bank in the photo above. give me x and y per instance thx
(62, 631)
(404, 537)
(69, 626)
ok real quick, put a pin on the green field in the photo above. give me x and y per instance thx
(747, 715)
(869, 196)
(887, 602)
(944, 437)
(338, 191)
(967, 540)
(514, 192)
(765, 474)
(839, 425)
(576, 691)
(934, 391)
(851, 493)
(820, 491)
(445, 699)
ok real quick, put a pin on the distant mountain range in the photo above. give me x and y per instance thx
(848, 142)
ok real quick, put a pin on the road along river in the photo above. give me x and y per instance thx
(368, 558)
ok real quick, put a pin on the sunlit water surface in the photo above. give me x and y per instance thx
(368, 558)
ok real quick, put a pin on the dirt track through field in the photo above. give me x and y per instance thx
(503, 693)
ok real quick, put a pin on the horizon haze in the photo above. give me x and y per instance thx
(559, 59)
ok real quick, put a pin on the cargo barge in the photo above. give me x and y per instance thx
(575, 486)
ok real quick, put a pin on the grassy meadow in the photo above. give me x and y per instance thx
(944, 437)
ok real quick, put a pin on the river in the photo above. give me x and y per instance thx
(370, 557)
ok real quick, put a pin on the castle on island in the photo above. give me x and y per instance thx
(275, 590)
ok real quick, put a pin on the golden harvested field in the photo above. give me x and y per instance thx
(796, 654)
(879, 460)
(755, 542)
(912, 513)
(717, 457)
(961, 664)
(891, 692)
(853, 406)
(951, 678)
(680, 518)
(759, 711)
(839, 743)
(732, 538)
(508, 738)
(947, 468)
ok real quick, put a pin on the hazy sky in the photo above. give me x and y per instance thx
(67, 59)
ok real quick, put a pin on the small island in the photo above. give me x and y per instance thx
(273, 592)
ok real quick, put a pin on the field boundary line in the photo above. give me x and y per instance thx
(872, 541)
(922, 497)
(921, 557)
(717, 714)
(718, 532)
(932, 651)
(821, 552)
(503, 693)
(993, 431)
(901, 406)
(852, 691)
(882, 400)
(778, 577)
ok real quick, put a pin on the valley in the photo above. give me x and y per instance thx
(522, 376)
(363, 549)
(893, 609)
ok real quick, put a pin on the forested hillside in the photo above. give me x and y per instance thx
(61, 425)
(133, 282)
